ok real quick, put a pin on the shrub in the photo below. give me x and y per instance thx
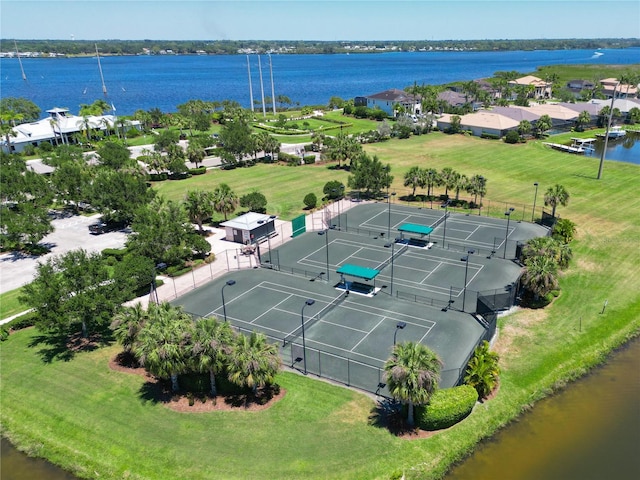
(308, 159)
(23, 321)
(310, 200)
(117, 253)
(177, 270)
(4, 334)
(490, 136)
(512, 137)
(158, 177)
(198, 171)
(210, 258)
(447, 407)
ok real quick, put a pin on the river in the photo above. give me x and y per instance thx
(589, 431)
(166, 81)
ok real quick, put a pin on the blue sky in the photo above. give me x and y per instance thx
(318, 19)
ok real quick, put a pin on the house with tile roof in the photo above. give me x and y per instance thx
(540, 88)
(622, 90)
(481, 123)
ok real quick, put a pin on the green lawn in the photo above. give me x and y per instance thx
(10, 305)
(92, 420)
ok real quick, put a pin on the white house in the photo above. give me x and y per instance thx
(388, 100)
(539, 88)
(58, 128)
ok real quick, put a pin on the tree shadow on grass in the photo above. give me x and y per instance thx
(155, 391)
(388, 414)
(62, 346)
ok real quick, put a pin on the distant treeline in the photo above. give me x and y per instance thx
(182, 47)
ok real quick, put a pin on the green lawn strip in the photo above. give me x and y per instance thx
(284, 187)
(10, 305)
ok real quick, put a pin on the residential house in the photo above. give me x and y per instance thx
(540, 89)
(623, 90)
(60, 127)
(577, 87)
(390, 99)
(481, 122)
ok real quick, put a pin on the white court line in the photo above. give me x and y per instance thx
(474, 231)
(275, 307)
(370, 331)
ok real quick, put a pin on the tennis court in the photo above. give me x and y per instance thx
(459, 231)
(349, 340)
(417, 293)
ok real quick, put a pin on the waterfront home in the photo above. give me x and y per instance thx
(622, 90)
(389, 101)
(481, 123)
(61, 127)
(540, 89)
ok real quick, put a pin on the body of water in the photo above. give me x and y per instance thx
(165, 81)
(626, 149)
(590, 431)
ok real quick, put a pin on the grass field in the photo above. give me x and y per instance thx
(10, 305)
(92, 420)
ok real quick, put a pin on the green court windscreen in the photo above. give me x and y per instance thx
(299, 226)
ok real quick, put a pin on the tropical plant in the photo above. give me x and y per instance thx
(543, 124)
(556, 195)
(211, 347)
(126, 325)
(564, 230)
(540, 275)
(199, 205)
(254, 362)
(483, 371)
(163, 344)
(448, 177)
(225, 201)
(412, 374)
(414, 178)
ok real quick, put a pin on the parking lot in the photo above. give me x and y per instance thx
(71, 232)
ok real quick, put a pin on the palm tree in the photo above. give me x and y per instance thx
(415, 178)
(126, 325)
(584, 118)
(564, 230)
(7, 123)
(543, 124)
(199, 206)
(412, 374)
(195, 152)
(448, 177)
(225, 200)
(556, 195)
(432, 178)
(483, 371)
(540, 275)
(163, 344)
(254, 362)
(212, 345)
(462, 182)
(477, 186)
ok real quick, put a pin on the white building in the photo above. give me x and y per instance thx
(59, 128)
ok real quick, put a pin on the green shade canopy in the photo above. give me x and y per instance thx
(415, 228)
(358, 271)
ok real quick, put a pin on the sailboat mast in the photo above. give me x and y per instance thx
(264, 107)
(104, 87)
(24, 77)
(273, 93)
(250, 87)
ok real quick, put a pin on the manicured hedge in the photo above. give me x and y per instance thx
(118, 253)
(198, 171)
(447, 407)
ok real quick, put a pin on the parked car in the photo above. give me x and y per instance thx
(105, 227)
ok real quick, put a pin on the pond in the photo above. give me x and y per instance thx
(591, 430)
(625, 149)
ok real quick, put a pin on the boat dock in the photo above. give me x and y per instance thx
(579, 145)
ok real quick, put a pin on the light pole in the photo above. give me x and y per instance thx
(535, 197)
(326, 247)
(481, 188)
(446, 211)
(389, 222)
(308, 301)
(224, 307)
(399, 326)
(393, 248)
(506, 235)
(466, 271)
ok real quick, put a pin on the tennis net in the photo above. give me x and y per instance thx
(440, 220)
(399, 252)
(327, 308)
